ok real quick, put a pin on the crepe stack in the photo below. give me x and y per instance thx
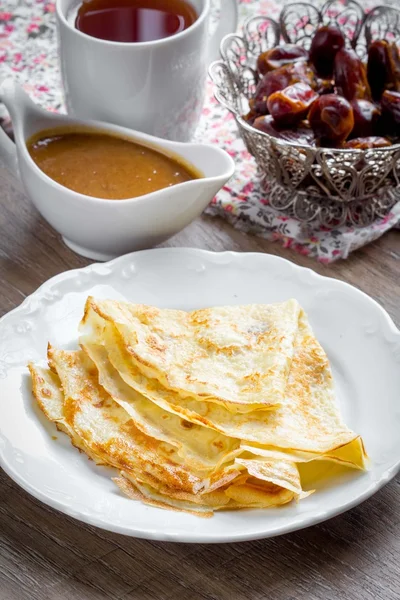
(199, 411)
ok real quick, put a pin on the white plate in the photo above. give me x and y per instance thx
(359, 337)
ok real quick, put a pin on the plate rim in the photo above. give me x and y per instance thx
(186, 536)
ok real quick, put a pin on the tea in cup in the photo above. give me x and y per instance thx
(134, 20)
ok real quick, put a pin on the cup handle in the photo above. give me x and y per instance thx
(227, 24)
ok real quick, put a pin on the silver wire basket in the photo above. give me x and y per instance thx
(332, 186)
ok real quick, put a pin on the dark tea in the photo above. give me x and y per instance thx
(134, 20)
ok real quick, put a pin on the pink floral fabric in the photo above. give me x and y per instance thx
(28, 52)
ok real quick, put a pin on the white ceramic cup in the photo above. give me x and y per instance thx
(157, 87)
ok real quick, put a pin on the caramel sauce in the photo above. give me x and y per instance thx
(104, 166)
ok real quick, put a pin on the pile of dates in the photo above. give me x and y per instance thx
(327, 96)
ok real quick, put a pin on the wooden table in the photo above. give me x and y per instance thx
(45, 555)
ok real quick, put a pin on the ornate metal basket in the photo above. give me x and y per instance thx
(333, 186)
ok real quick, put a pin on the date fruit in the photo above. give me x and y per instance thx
(291, 105)
(332, 119)
(366, 143)
(383, 69)
(391, 109)
(327, 41)
(366, 118)
(280, 56)
(351, 76)
(302, 135)
(278, 80)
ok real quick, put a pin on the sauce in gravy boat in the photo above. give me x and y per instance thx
(102, 228)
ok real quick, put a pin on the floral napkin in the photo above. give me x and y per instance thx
(28, 51)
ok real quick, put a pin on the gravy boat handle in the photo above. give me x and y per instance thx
(8, 158)
(8, 150)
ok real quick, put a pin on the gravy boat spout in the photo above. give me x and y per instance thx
(103, 229)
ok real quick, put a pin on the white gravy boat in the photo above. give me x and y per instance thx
(103, 229)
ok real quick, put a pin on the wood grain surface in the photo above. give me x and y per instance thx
(45, 555)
